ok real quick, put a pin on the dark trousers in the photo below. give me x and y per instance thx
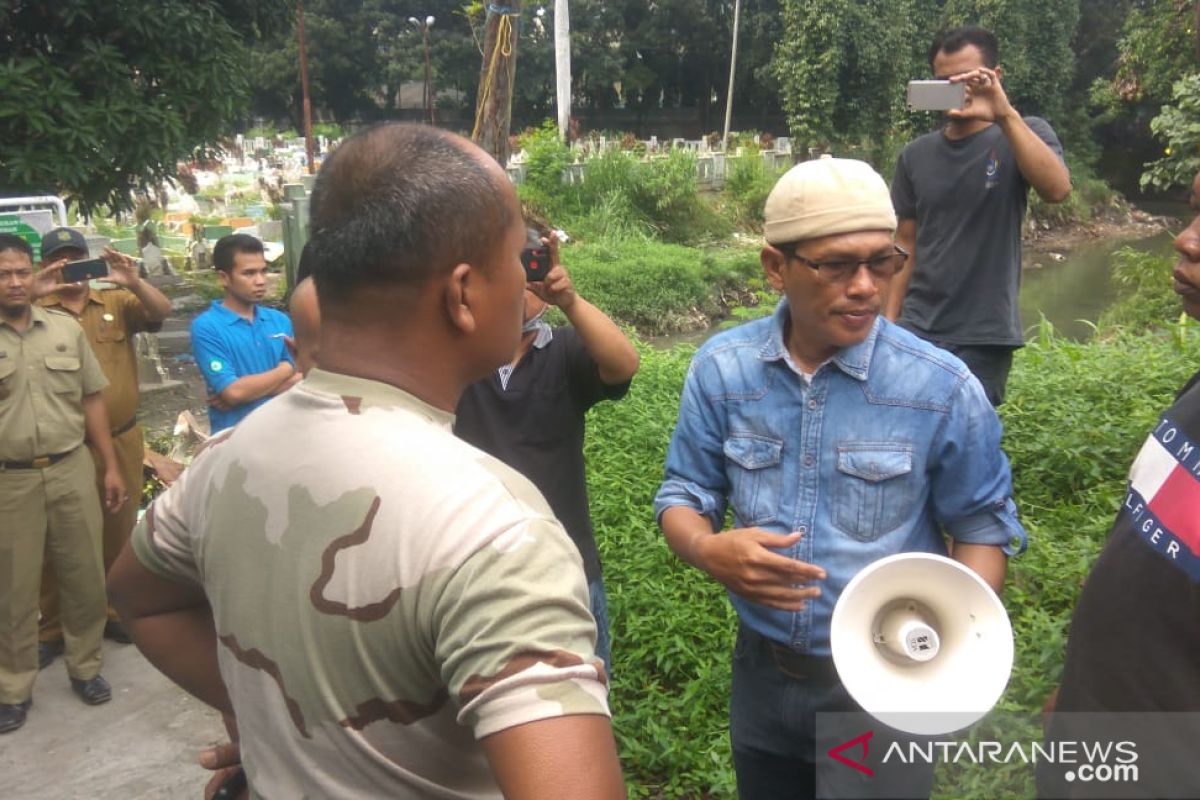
(773, 727)
(989, 363)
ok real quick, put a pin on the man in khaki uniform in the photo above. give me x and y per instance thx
(110, 319)
(50, 400)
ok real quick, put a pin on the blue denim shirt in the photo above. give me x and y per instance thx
(892, 443)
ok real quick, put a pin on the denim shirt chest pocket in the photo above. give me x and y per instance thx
(755, 473)
(874, 488)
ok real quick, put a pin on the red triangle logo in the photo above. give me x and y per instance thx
(859, 764)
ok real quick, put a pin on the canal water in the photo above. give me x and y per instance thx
(1074, 292)
(1070, 292)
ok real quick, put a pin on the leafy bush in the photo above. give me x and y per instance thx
(672, 627)
(747, 184)
(1179, 126)
(1071, 432)
(1148, 300)
(1088, 195)
(619, 193)
(666, 191)
(330, 130)
(659, 288)
(545, 159)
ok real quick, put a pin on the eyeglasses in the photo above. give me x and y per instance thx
(842, 270)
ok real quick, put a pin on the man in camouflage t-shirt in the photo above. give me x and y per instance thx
(393, 612)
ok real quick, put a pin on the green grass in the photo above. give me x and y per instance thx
(661, 288)
(1075, 418)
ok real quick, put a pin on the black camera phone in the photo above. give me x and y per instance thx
(535, 257)
(85, 269)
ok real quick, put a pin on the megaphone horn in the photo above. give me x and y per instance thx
(922, 643)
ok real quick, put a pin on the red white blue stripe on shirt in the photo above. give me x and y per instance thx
(1164, 496)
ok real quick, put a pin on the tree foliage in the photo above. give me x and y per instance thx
(99, 99)
(1157, 47)
(631, 53)
(842, 64)
(1179, 126)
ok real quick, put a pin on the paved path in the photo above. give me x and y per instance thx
(141, 744)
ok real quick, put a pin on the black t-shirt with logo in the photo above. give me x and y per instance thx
(968, 197)
(536, 426)
(1135, 636)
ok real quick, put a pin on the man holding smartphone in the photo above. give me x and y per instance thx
(530, 412)
(960, 194)
(50, 403)
(110, 319)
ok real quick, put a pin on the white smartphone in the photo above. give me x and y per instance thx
(936, 95)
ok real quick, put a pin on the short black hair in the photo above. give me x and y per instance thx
(952, 40)
(396, 204)
(10, 241)
(304, 266)
(227, 248)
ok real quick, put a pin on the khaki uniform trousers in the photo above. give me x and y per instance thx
(117, 527)
(53, 511)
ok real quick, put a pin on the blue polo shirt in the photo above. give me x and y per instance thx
(228, 346)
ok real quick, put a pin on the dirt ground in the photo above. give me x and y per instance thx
(1117, 225)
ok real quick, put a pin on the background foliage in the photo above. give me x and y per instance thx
(623, 194)
(1179, 127)
(98, 100)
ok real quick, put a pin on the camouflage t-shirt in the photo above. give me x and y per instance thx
(384, 594)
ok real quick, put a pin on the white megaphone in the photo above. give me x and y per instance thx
(922, 643)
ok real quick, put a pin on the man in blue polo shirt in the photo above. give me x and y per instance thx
(239, 345)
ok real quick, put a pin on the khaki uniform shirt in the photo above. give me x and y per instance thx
(45, 372)
(110, 319)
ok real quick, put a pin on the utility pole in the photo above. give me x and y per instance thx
(562, 64)
(737, 14)
(309, 148)
(493, 105)
(427, 95)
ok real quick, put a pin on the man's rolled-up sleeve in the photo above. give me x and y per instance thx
(162, 539)
(513, 635)
(212, 358)
(695, 471)
(971, 484)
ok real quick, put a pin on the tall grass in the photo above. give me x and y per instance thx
(1146, 281)
(620, 194)
(661, 288)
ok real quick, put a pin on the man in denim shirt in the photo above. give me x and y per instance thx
(837, 438)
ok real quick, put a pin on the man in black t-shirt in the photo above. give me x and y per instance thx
(1134, 643)
(530, 412)
(960, 194)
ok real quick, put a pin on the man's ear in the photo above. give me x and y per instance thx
(463, 287)
(1000, 73)
(773, 261)
(223, 277)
